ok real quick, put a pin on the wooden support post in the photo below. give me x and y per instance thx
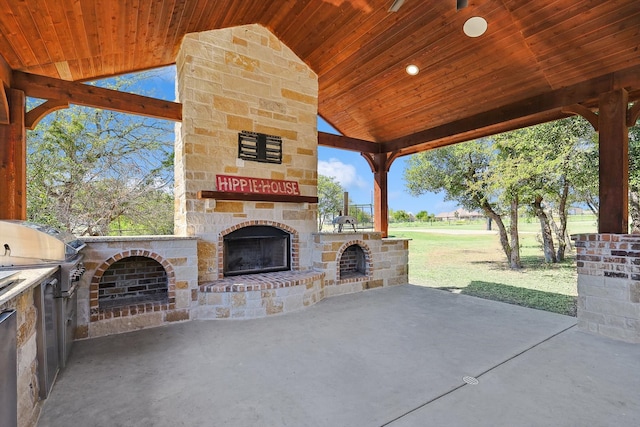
(380, 164)
(13, 160)
(381, 196)
(614, 163)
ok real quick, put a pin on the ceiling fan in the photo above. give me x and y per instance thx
(397, 4)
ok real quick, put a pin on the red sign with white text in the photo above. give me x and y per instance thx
(243, 184)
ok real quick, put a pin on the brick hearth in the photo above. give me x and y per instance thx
(261, 281)
(259, 295)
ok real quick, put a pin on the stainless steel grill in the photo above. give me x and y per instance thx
(28, 245)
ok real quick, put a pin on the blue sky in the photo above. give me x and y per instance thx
(347, 167)
(355, 176)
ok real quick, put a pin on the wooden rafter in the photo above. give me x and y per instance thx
(347, 143)
(97, 97)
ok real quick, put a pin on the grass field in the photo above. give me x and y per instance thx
(462, 257)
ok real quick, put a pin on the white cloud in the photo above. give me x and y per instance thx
(345, 174)
(448, 206)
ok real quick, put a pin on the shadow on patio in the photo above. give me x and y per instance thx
(532, 298)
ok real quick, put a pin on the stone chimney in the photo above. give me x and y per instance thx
(229, 81)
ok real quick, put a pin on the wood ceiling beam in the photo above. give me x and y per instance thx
(548, 105)
(92, 96)
(348, 143)
(520, 123)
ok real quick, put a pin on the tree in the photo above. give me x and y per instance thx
(634, 177)
(401, 216)
(544, 167)
(519, 170)
(539, 163)
(360, 214)
(154, 216)
(87, 168)
(463, 172)
(573, 147)
(330, 198)
(424, 216)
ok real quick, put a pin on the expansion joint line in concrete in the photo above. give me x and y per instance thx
(388, 423)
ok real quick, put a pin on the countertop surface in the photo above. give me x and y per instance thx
(23, 280)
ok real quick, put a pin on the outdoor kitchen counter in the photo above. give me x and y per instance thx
(20, 296)
(26, 278)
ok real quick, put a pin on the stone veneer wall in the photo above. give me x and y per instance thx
(388, 261)
(259, 295)
(609, 285)
(27, 351)
(230, 80)
(178, 255)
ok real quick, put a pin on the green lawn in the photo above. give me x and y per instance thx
(461, 258)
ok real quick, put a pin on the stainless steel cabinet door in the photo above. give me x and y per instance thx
(8, 367)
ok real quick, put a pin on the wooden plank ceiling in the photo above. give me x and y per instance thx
(359, 51)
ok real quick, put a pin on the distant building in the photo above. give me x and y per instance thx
(459, 214)
(577, 211)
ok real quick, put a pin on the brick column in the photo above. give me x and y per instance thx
(609, 285)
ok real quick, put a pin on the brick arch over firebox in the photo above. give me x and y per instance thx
(295, 241)
(368, 260)
(98, 314)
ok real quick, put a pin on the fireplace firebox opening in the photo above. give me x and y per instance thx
(256, 249)
(353, 263)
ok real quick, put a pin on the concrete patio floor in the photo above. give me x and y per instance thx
(387, 357)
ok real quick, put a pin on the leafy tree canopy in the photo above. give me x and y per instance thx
(330, 199)
(87, 168)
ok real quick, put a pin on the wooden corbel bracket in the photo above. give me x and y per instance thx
(380, 162)
(33, 116)
(584, 112)
(633, 113)
(4, 105)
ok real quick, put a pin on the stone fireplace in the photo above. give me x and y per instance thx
(246, 242)
(234, 84)
(246, 182)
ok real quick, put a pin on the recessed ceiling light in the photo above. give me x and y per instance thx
(397, 4)
(475, 26)
(412, 69)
